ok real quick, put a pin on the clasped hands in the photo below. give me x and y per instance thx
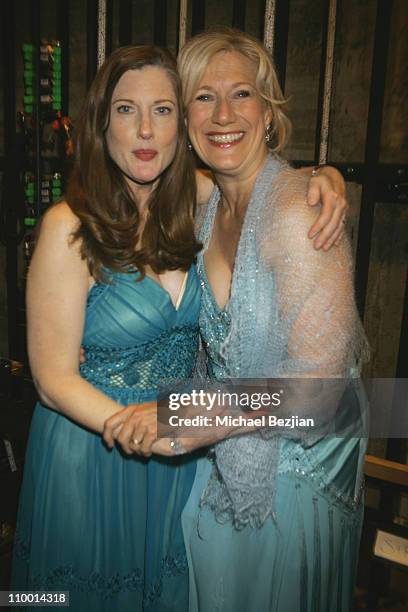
(134, 428)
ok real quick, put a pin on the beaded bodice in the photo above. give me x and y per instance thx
(215, 323)
(135, 339)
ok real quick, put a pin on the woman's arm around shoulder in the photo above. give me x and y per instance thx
(57, 287)
(315, 289)
(327, 188)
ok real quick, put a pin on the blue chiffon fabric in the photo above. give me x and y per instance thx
(303, 560)
(303, 557)
(99, 524)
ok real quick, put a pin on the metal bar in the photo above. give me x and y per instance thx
(63, 37)
(392, 179)
(238, 14)
(125, 22)
(198, 17)
(160, 23)
(320, 96)
(101, 39)
(372, 148)
(269, 27)
(280, 48)
(327, 82)
(183, 10)
(91, 39)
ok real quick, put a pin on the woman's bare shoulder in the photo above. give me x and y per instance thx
(61, 215)
(55, 233)
(59, 222)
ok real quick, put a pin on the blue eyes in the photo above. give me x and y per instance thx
(242, 93)
(163, 110)
(124, 109)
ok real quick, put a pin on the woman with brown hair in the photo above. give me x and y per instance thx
(114, 271)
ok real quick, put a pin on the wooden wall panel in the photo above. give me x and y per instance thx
(394, 144)
(218, 13)
(77, 58)
(172, 24)
(302, 75)
(351, 82)
(114, 24)
(48, 11)
(254, 16)
(354, 198)
(377, 447)
(142, 23)
(386, 285)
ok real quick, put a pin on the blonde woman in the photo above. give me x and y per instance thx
(273, 521)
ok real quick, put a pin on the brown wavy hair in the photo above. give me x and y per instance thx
(98, 193)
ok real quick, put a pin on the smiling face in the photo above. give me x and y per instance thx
(227, 117)
(142, 132)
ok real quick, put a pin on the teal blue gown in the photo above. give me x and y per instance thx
(303, 557)
(99, 524)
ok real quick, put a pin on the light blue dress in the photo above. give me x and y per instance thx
(101, 525)
(303, 558)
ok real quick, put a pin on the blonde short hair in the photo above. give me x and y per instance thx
(199, 51)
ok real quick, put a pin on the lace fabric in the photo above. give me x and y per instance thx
(291, 314)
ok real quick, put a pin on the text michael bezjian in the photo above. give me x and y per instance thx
(263, 421)
(240, 421)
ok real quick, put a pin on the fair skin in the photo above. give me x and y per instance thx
(142, 139)
(326, 189)
(143, 117)
(227, 119)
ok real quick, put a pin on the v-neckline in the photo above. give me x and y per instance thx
(211, 220)
(183, 289)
